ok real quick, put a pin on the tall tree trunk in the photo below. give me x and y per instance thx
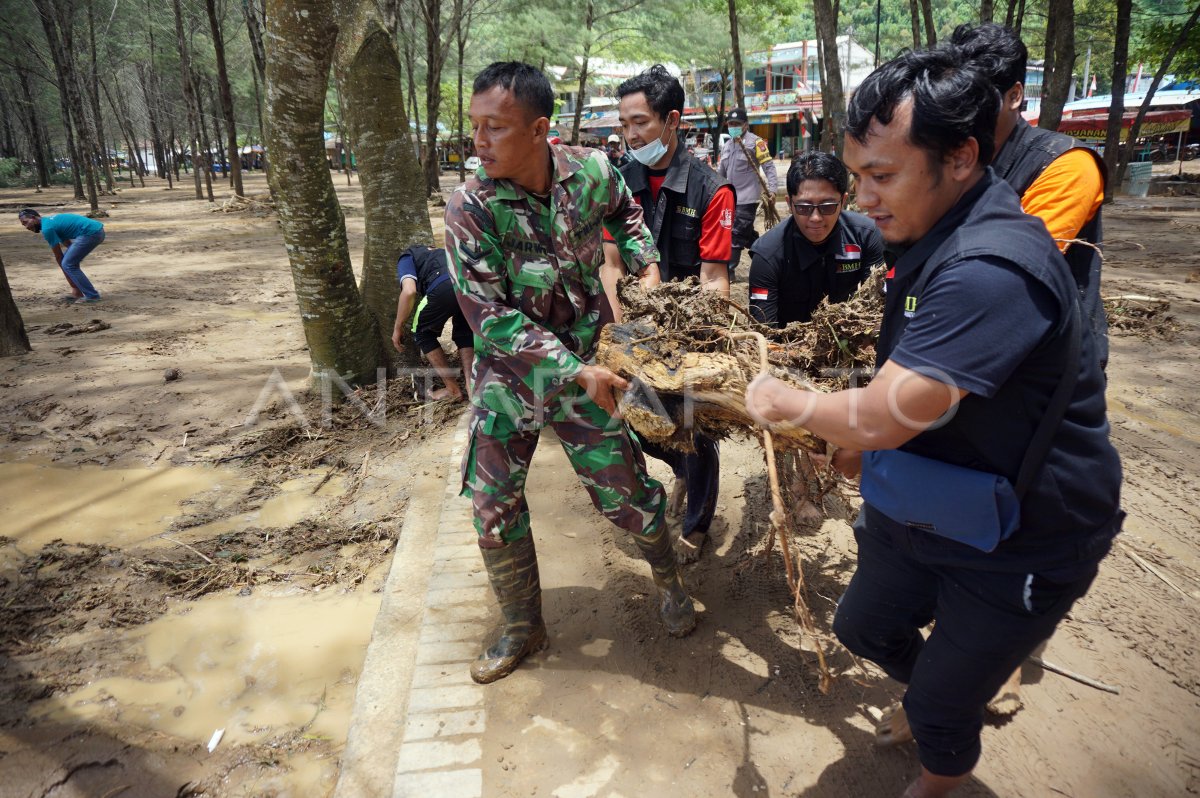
(914, 12)
(160, 152)
(407, 34)
(930, 28)
(341, 334)
(1060, 40)
(132, 159)
(176, 153)
(258, 106)
(13, 339)
(833, 100)
(254, 30)
(58, 38)
(371, 82)
(461, 40)
(41, 151)
(127, 119)
(435, 56)
(1163, 67)
(235, 161)
(1116, 109)
(589, 20)
(190, 100)
(77, 161)
(94, 95)
(205, 143)
(214, 113)
(127, 131)
(739, 74)
(987, 10)
(8, 144)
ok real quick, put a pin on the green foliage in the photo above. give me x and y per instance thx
(1159, 36)
(15, 175)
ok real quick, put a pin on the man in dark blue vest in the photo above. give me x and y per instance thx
(427, 298)
(1059, 180)
(689, 210)
(990, 486)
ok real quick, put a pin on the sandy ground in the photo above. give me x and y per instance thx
(122, 649)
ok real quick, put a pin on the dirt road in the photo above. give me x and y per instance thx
(213, 575)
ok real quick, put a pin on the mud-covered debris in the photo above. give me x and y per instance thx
(172, 374)
(687, 351)
(1146, 316)
(95, 325)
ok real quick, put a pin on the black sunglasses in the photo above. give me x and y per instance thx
(805, 209)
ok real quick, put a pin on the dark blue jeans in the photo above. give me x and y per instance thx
(80, 248)
(987, 623)
(701, 473)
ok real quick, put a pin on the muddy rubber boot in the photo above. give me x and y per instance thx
(674, 605)
(513, 572)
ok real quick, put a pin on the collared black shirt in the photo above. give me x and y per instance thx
(790, 275)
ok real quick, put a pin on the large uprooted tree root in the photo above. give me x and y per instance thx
(691, 355)
(681, 348)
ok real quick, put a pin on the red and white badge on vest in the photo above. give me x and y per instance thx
(850, 252)
(761, 294)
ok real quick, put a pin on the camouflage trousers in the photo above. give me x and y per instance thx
(604, 453)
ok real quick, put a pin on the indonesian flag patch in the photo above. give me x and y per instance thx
(761, 294)
(850, 252)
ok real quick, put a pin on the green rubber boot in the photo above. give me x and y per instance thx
(674, 605)
(513, 572)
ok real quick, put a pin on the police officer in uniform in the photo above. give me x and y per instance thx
(989, 520)
(689, 210)
(820, 251)
(741, 158)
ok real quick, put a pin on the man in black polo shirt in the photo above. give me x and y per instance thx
(425, 284)
(689, 210)
(990, 486)
(819, 251)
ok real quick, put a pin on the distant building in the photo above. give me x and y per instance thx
(783, 91)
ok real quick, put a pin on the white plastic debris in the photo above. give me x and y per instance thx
(215, 740)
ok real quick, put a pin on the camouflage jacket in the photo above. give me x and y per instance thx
(527, 276)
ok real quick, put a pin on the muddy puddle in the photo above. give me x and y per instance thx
(119, 507)
(254, 666)
(272, 652)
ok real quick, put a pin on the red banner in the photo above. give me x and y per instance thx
(1094, 127)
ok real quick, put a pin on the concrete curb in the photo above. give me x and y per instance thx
(414, 685)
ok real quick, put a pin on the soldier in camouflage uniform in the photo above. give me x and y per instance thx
(524, 239)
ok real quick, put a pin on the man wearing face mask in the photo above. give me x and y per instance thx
(689, 210)
(741, 158)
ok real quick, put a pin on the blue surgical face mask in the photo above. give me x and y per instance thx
(650, 154)
(736, 132)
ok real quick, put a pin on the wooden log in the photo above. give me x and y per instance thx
(675, 384)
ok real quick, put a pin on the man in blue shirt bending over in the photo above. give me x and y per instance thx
(79, 235)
